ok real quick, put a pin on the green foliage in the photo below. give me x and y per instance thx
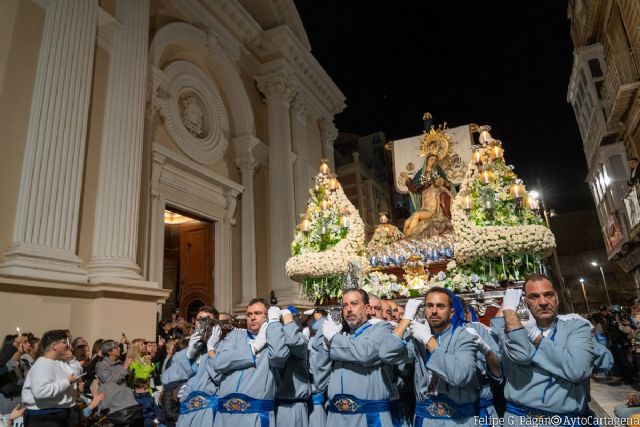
(318, 288)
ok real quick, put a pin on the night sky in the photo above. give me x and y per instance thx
(502, 63)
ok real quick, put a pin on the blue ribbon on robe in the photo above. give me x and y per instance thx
(238, 403)
(442, 408)
(526, 411)
(317, 399)
(483, 405)
(474, 315)
(197, 401)
(346, 404)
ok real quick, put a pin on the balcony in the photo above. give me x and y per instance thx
(620, 85)
(597, 131)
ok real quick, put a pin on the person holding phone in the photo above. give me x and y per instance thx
(48, 390)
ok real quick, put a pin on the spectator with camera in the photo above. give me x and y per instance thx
(11, 374)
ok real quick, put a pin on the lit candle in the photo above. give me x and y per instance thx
(488, 204)
(496, 152)
(333, 184)
(485, 136)
(324, 204)
(487, 176)
(304, 225)
(345, 220)
(477, 157)
(517, 191)
(467, 202)
(324, 167)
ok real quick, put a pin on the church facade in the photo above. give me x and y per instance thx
(117, 113)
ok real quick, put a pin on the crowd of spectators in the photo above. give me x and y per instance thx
(112, 382)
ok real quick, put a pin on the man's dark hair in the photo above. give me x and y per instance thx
(535, 278)
(208, 309)
(362, 292)
(439, 289)
(259, 300)
(633, 158)
(50, 337)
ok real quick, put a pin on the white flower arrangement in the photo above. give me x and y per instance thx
(384, 285)
(312, 262)
(475, 242)
(384, 235)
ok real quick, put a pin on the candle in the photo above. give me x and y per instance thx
(467, 202)
(304, 225)
(345, 220)
(477, 157)
(487, 176)
(333, 184)
(324, 204)
(485, 136)
(324, 167)
(488, 204)
(496, 152)
(517, 191)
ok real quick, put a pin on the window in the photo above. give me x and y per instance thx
(594, 67)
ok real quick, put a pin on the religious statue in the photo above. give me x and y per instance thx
(435, 207)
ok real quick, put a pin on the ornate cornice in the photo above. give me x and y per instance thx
(328, 131)
(299, 107)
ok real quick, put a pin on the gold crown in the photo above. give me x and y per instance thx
(436, 141)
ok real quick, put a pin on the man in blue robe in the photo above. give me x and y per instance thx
(351, 365)
(248, 362)
(444, 356)
(546, 360)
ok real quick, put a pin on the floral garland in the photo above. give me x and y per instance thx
(315, 256)
(476, 238)
(384, 285)
(384, 235)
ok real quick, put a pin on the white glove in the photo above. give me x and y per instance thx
(411, 308)
(421, 332)
(285, 312)
(306, 332)
(181, 391)
(216, 333)
(329, 329)
(192, 351)
(532, 327)
(511, 299)
(480, 343)
(261, 339)
(274, 314)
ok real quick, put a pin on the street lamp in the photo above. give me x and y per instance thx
(604, 281)
(584, 294)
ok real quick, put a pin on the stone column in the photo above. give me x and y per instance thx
(328, 134)
(302, 182)
(247, 164)
(279, 92)
(46, 223)
(115, 234)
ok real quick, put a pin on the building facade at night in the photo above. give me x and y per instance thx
(603, 91)
(153, 155)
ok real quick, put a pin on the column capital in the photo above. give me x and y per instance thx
(299, 108)
(245, 159)
(277, 87)
(328, 130)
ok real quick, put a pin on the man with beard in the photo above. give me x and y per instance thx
(545, 360)
(444, 357)
(351, 366)
(248, 362)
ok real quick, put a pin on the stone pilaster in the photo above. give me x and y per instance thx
(302, 181)
(46, 224)
(247, 164)
(279, 93)
(328, 134)
(115, 234)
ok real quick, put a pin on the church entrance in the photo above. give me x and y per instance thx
(188, 268)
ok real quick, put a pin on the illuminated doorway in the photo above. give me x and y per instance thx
(188, 267)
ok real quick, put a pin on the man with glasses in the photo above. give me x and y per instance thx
(48, 390)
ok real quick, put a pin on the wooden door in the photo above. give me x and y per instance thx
(196, 264)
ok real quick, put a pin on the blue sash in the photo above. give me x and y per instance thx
(317, 399)
(566, 419)
(346, 404)
(483, 405)
(238, 403)
(48, 411)
(443, 408)
(197, 401)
